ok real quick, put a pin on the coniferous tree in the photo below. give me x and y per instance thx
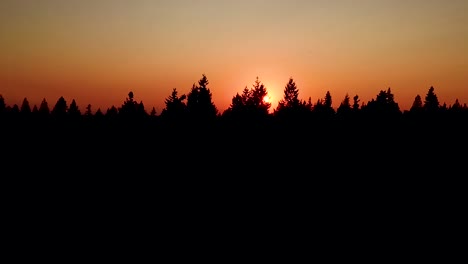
(74, 111)
(417, 106)
(456, 107)
(44, 108)
(290, 106)
(258, 94)
(238, 109)
(99, 115)
(200, 106)
(153, 112)
(112, 112)
(250, 106)
(2, 105)
(89, 111)
(15, 110)
(431, 102)
(323, 107)
(290, 96)
(356, 101)
(60, 109)
(345, 107)
(131, 109)
(25, 107)
(384, 106)
(176, 109)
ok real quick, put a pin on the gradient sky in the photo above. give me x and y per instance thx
(96, 51)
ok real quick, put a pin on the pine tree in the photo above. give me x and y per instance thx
(175, 108)
(345, 106)
(417, 105)
(2, 104)
(60, 109)
(200, 106)
(153, 112)
(44, 108)
(431, 102)
(356, 103)
(74, 112)
(290, 95)
(25, 107)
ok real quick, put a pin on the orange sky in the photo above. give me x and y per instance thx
(96, 51)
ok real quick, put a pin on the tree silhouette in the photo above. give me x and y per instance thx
(356, 101)
(131, 109)
(344, 110)
(259, 92)
(25, 107)
(2, 105)
(176, 109)
(35, 110)
(238, 108)
(60, 109)
(456, 107)
(417, 106)
(153, 112)
(200, 106)
(290, 96)
(250, 106)
(15, 110)
(74, 112)
(431, 102)
(384, 106)
(44, 108)
(112, 112)
(323, 107)
(290, 106)
(89, 111)
(99, 115)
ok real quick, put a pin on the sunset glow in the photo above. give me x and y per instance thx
(96, 51)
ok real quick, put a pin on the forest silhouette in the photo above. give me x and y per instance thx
(192, 137)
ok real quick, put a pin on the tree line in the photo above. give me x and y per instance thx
(248, 106)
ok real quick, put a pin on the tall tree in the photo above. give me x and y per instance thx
(153, 112)
(25, 107)
(74, 111)
(356, 101)
(199, 101)
(60, 109)
(259, 92)
(290, 106)
(131, 108)
(345, 106)
(384, 105)
(2, 104)
(112, 112)
(290, 95)
(431, 102)
(89, 111)
(417, 105)
(175, 108)
(251, 104)
(99, 115)
(323, 108)
(44, 108)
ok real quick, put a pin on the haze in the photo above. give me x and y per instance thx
(96, 51)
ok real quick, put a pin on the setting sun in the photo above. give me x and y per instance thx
(267, 99)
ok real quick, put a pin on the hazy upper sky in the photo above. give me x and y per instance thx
(96, 51)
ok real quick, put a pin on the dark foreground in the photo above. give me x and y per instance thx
(119, 183)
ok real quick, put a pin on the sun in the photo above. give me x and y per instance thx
(267, 99)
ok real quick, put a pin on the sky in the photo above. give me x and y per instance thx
(96, 51)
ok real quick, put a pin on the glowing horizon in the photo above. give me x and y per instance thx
(97, 51)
